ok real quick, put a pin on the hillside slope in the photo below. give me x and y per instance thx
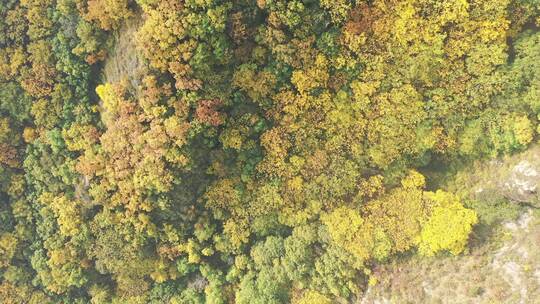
(503, 265)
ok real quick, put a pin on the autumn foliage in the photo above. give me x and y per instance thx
(264, 151)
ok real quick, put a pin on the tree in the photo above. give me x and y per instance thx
(313, 297)
(448, 226)
(266, 151)
(108, 14)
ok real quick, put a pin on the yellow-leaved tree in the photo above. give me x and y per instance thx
(448, 227)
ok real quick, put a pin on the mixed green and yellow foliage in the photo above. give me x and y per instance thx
(265, 151)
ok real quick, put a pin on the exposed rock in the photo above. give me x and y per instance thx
(504, 258)
(515, 178)
(523, 183)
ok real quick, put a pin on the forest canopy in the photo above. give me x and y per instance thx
(261, 152)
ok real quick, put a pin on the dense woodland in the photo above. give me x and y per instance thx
(261, 152)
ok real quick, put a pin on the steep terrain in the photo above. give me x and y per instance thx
(504, 270)
(503, 265)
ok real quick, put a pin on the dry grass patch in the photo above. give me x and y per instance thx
(125, 62)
